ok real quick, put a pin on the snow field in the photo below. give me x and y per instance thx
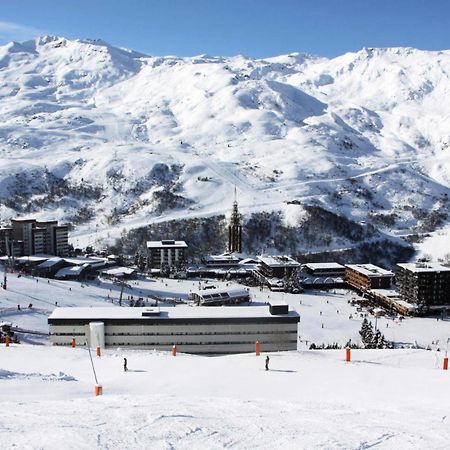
(315, 308)
(389, 399)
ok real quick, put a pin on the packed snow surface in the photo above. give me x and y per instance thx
(112, 139)
(393, 399)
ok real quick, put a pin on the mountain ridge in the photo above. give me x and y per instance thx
(112, 139)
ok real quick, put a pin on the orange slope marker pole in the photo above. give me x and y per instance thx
(348, 354)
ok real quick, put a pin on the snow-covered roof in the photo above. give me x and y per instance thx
(177, 312)
(252, 261)
(324, 265)
(119, 271)
(424, 267)
(32, 258)
(226, 257)
(70, 271)
(166, 244)
(279, 261)
(221, 293)
(92, 260)
(389, 293)
(50, 262)
(370, 270)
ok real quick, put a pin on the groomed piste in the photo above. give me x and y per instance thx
(394, 399)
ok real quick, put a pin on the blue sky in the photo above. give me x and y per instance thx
(255, 28)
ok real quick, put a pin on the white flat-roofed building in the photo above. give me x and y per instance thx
(207, 330)
(166, 253)
(224, 260)
(330, 269)
(215, 297)
(277, 266)
(368, 276)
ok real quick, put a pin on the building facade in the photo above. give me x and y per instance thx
(277, 266)
(166, 254)
(368, 276)
(198, 330)
(425, 285)
(331, 269)
(28, 237)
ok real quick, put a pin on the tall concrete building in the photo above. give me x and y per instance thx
(166, 254)
(426, 285)
(30, 237)
(235, 229)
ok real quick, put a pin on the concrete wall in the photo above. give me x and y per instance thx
(208, 338)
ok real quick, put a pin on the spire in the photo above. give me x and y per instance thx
(235, 228)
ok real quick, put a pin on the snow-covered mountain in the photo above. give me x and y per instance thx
(112, 139)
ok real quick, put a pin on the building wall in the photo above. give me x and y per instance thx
(364, 282)
(162, 257)
(61, 240)
(41, 237)
(424, 288)
(196, 338)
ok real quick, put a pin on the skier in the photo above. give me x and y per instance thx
(125, 368)
(267, 362)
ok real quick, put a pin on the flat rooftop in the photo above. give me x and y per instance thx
(166, 244)
(370, 270)
(325, 265)
(424, 267)
(278, 261)
(225, 257)
(175, 312)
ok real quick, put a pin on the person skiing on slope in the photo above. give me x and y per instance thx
(125, 368)
(267, 362)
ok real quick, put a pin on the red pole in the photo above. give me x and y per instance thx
(174, 350)
(7, 340)
(257, 348)
(348, 355)
(445, 366)
(74, 343)
(99, 352)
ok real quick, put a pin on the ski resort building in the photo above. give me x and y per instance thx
(28, 237)
(425, 285)
(368, 276)
(199, 330)
(216, 297)
(225, 260)
(327, 269)
(277, 266)
(273, 271)
(166, 254)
